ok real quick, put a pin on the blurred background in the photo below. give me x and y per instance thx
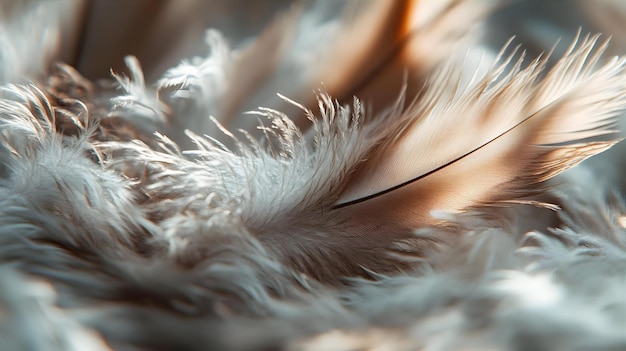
(97, 34)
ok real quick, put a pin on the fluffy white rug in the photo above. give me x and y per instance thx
(424, 209)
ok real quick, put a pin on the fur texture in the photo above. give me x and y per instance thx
(426, 212)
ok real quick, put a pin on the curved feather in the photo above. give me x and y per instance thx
(492, 140)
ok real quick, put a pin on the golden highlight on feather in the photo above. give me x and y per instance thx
(383, 25)
(411, 36)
